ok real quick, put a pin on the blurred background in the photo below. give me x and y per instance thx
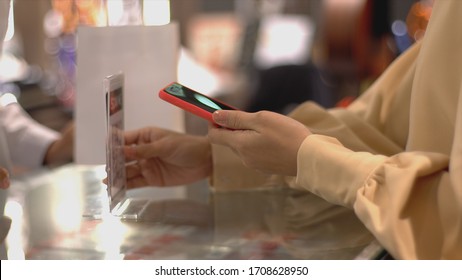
(253, 54)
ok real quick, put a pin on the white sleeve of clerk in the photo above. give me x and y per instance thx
(28, 141)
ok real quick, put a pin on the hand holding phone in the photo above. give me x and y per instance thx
(192, 101)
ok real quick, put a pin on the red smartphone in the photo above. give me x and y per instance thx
(192, 101)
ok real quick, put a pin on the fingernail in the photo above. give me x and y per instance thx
(218, 117)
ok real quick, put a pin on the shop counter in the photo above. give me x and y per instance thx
(49, 207)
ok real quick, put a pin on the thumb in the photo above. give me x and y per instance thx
(233, 119)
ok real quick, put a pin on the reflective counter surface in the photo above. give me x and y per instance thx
(47, 210)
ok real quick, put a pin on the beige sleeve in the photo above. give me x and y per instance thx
(410, 200)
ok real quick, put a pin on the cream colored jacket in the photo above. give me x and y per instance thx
(395, 155)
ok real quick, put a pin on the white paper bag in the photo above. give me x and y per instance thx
(147, 55)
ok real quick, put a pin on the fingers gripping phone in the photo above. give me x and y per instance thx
(192, 101)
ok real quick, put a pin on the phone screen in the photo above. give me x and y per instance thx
(196, 98)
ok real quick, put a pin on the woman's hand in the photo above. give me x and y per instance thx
(264, 141)
(165, 158)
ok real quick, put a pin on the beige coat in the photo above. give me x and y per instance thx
(395, 155)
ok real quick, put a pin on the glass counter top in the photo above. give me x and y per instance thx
(47, 209)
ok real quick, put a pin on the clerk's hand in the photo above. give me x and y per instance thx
(165, 158)
(4, 178)
(264, 141)
(61, 151)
